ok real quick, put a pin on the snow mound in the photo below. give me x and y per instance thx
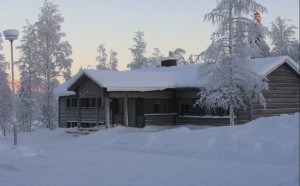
(265, 140)
(264, 152)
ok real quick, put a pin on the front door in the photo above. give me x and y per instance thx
(131, 113)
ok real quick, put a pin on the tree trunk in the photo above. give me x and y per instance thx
(30, 103)
(231, 112)
(97, 112)
(78, 109)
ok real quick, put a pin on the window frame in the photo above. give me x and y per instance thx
(157, 106)
(71, 102)
(186, 106)
(91, 102)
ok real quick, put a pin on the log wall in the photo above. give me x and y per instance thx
(283, 94)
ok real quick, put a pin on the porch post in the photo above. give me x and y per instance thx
(78, 110)
(97, 112)
(125, 111)
(250, 111)
(107, 121)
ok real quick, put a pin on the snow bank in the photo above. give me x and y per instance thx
(266, 140)
(264, 152)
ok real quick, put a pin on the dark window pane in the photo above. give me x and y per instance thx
(68, 103)
(121, 106)
(92, 102)
(74, 102)
(100, 102)
(157, 106)
(74, 124)
(84, 102)
(186, 106)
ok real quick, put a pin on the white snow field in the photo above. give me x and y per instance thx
(264, 152)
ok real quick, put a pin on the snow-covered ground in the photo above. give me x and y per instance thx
(264, 152)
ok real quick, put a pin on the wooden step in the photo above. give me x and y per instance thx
(77, 132)
(83, 131)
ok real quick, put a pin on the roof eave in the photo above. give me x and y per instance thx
(287, 60)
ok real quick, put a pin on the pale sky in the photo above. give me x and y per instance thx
(168, 24)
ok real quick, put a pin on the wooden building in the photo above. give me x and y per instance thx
(165, 96)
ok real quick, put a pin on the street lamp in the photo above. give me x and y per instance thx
(12, 35)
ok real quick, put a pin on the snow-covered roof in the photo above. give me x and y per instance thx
(264, 66)
(160, 78)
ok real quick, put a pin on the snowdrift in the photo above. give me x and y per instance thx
(263, 152)
(268, 140)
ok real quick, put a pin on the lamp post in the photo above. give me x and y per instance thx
(12, 35)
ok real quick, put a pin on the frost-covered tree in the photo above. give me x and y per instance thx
(113, 60)
(283, 38)
(103, 64)
(226, 79)
(264, 49)
(179, 55)
(155, 58)
(53, 57)
(5, 95)
(296, 55)
(29, 82)
(102, 58)
(262, 31)
(138, 51)
(191, 59)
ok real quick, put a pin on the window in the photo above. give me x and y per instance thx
(88, 124)
(90, 102)
(117, 106)
(186, 107)
(93, 102)
(100, 102)
(121, 106)
(71, 124)
(157, 106)
(71, 102)
(220, 112)
(203, 111)
(85, 102)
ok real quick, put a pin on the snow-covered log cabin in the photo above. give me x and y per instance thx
(165, 95)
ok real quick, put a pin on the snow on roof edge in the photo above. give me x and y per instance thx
(85, 72)
(263, 66)
(281, 60)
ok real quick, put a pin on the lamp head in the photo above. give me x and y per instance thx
(11, 34)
